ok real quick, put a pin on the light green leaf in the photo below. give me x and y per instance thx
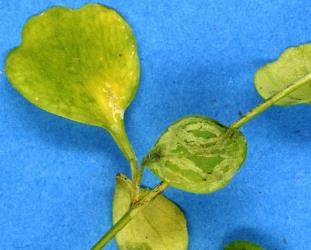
(292, 66)
(81, 64)
(197, 154)
(242, 245)
(160, 226)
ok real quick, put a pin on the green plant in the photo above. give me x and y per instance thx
(83, 65)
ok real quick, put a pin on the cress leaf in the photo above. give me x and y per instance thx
(242, 245)
(81, 64)
(197, 154)
(159, 226)
(293, 65)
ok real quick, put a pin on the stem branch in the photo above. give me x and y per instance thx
(270, 101)
(130, 214)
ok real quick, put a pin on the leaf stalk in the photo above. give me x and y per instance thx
(124, 144)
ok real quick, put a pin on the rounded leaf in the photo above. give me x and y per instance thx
(81, 64)
(197, 154)
(292, 66)
(242, 245)
(159, 226)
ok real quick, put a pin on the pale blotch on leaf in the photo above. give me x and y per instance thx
(292, 66)
(197, 154)
(159, 226)
(81, 64)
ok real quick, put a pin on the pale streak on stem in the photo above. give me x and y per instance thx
(130, 214)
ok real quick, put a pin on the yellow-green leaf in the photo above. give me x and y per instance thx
(197, 154)
(81, 64)
(242, 245)
(292, 66)
(160, 226)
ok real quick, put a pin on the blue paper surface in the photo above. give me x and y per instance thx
(57, 177)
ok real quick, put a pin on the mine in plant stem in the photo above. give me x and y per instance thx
(136, 208)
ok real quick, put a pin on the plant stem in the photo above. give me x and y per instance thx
(270, 101)
(140, 174)
(130, 214)
(136, 180)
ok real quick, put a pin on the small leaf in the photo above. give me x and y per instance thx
(242, 245)
(197, 154)
(292, 66)
(81, 64)
(160, 226)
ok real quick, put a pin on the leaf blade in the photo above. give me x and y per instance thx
(293, 65)
(81, 64)
(242, 245)
(161, 225)
(197, 154)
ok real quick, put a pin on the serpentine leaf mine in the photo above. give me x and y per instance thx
(197, 154)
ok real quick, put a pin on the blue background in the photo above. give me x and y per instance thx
(57, 176)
